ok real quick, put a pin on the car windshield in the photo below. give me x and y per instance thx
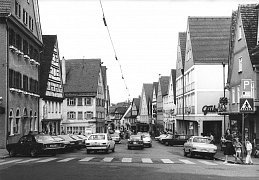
(201, 140)
(40, 138)
(135, 137)
(97, 137)
(58, 138)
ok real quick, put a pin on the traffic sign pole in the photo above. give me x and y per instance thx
(243, 135)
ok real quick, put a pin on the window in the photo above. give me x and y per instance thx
(238, 94)
(88, 115)
(11, 37)
(88, 101)
(17, 122)
(80, 115)
(25, 17)
(17, 9)
(233, 95)
(71, 101)
(18, 42)
(71, 115)
(31, 54)
(30, 23)
(240, 62)
(239, 32)
(25, 47)
(25, 83)
(79, 103)
(11, 123)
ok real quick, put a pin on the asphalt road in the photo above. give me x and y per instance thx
(159, 162)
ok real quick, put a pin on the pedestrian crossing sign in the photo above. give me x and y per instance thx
(246, 105)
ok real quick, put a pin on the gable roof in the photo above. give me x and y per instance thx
(164, 82)
(49, 42)
(82, 76)
(182, 38)
(148, 88)
(173, 76)
(249, 18)
(209, 38)
(155, 87)
(136, 101)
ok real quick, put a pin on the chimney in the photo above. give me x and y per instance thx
(63, 70)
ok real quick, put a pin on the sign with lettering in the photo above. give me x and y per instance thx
(246, 85)
(207, 109)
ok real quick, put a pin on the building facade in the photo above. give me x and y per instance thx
(21, 43)
(51, 87)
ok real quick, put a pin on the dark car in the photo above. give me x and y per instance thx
(73, 143)
(116, 138)
(34, 145)
(80, 141)
(176, 140)
(135, 141)
(67, 146)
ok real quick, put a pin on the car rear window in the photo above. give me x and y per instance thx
(201, 140)
(135, 137)
(97, 137)
(40, 138)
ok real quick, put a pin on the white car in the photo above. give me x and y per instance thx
(99, 141)
(147, 141)
(199, 145)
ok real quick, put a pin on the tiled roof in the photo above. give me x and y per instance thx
(121, 110)
(5, 7)
(155, 86)
(49, 42)
(250, 24)
(173, 74)
(148, 88)
(82, 76)
(164, 82)
(210, 38)
(182, 37)
(136, 101)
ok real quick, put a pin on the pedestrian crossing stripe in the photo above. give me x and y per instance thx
(167, 161)
(66, 160)
(29, 160)
(47, 160)
(246, 106)
(108, 159)
(146, 160)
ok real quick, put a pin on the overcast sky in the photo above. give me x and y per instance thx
(144, 34)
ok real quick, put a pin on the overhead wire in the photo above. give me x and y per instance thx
(114, 50)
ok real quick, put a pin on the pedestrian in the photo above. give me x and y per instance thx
(238, 149)
(229, 150)
(249, 152)
(211, 138)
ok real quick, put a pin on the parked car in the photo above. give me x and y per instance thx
(66, 144)
(73, 143)
(164, 139)
(160, 136)
(199, 145)
(147, 141)
(135, 141)
(80, 141)
(34, 144)
(116, 137)
(175, 140)
(99, 141)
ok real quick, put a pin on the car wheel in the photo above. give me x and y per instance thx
(12, 153)
(166, 143)
(184, 152)
(191, 154)
(150, 145)
(106, 151)
(87, 151)
(113, 150)
(33, 152)
(211, 156)
(129, 147)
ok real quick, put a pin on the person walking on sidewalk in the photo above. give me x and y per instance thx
(249, 151)
(238, 149)
(229, 150)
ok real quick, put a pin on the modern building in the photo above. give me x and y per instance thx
(21, 44)
(84, 106)
(51, 87)
(244, 67)
(200, 78)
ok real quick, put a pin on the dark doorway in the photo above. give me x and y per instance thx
(214, 127)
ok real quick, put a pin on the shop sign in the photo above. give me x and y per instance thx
(211, 108)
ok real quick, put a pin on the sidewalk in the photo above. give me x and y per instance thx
(3, 153)
(220, 156)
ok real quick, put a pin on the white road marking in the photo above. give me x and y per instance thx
(208, 163)
(8, 162)
(86, 159)
(47, 160)
(108, 159)
(29, 160)
(167, 161)
(186, 161)
(128, 160)
(146, 160)
(65, 160)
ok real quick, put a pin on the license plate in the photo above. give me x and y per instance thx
(52, 145)
(134, 142)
